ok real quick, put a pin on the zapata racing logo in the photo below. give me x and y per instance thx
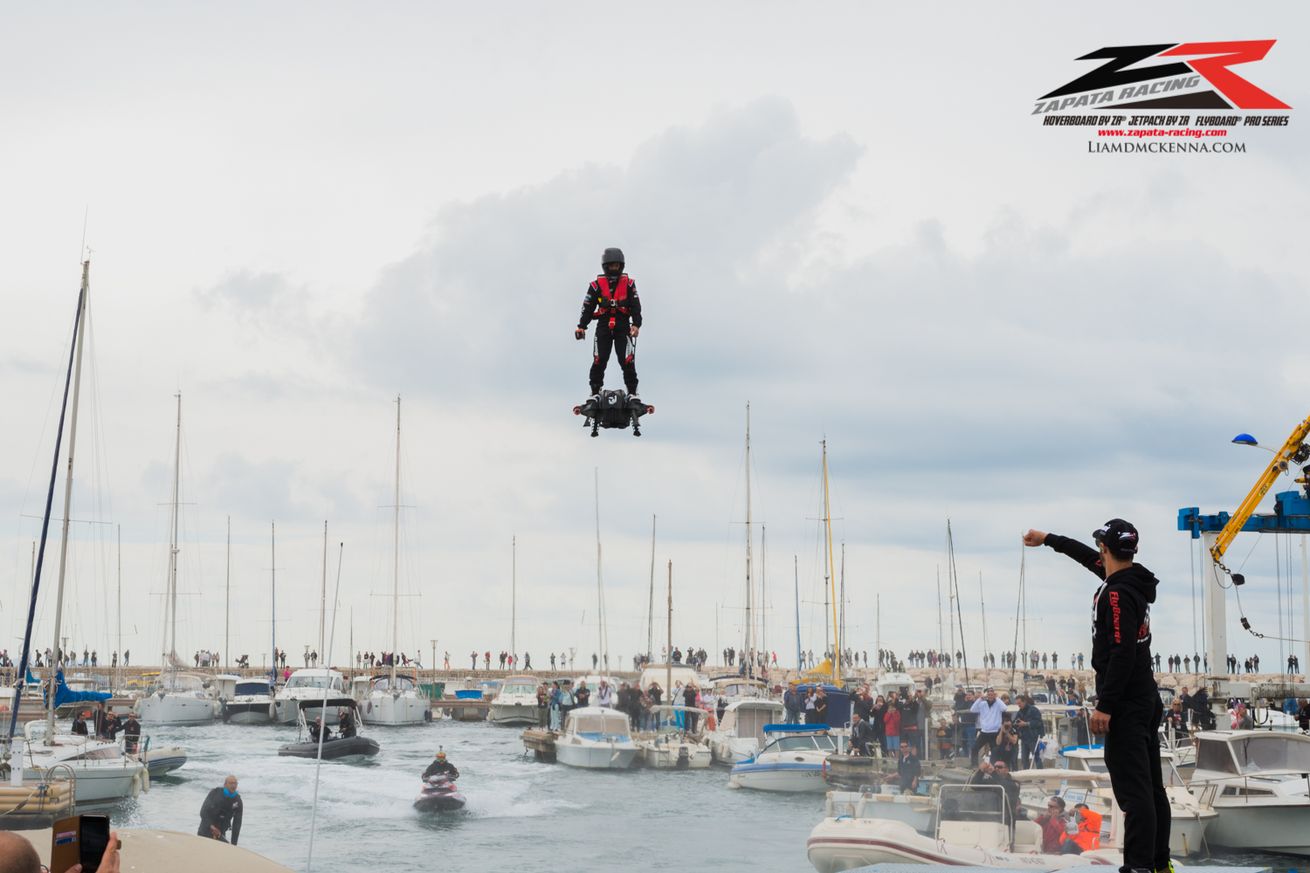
(1200, 78)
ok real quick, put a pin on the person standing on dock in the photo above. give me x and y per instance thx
(1128, 707)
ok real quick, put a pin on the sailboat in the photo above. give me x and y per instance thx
(674, 736)
(101, 770)
(179, 697)
(516, 702)
(393, 698)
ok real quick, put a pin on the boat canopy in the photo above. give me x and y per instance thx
(596, 721)
(313, 702)
(749, 717)
(1262, 752)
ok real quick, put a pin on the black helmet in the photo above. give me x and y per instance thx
(612, 255)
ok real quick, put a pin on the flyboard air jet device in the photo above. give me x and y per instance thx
(613, 409)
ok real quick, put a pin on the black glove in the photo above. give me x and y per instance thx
(579, 333)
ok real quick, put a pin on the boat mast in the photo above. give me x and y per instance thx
(600, 586)
(650, 606)
(668, 662)
(322, 603)
(796, 592)
(764, 646)
(172, 541)
(842, 593)
(827, 523)
(748, 652)
(982, 614)
(227, 598)
(68, 496)
(118, 673)
(272, 546)
(513, 596)
(395, 569)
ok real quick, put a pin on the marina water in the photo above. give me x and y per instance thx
(521, 814)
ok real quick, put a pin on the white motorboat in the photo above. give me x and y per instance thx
(791, 760)
(1258, 783)
(178, 699)
(307, 684)
(919, 811)
(674, 739)
(103, 772)
(596, 738)
(516, 703)
(973, 829)
(739, 735)
(1087, 772)
(247, 701)
(394, 699)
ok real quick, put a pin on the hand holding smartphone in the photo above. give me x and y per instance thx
(84, 843)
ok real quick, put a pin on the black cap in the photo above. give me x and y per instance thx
(1119, 536)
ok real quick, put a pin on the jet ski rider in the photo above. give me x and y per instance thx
(441, 767)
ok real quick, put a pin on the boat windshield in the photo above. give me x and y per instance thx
(806, 743)
(384, 683)
(600, 724)
(260, 687)
(1272, 752)
(314, 682)
(519, 689)
(1214, 755)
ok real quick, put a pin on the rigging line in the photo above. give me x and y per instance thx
(1018, 605)
(45, 529)
(318, 764)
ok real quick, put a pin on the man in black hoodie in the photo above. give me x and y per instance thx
(1128, 708)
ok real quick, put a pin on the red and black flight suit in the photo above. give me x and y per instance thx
(615, 307)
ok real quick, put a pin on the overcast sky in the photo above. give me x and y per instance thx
(846, 217)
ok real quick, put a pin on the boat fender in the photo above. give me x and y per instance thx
(370, 708)
(427, 714)
(136, 784)
(145, 779)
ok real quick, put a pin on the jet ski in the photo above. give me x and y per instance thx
(439, 794)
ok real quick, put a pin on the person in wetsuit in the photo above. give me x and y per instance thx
(345, 723)
(316, 727)
(221, 811)
(613, 304)
(441, 767)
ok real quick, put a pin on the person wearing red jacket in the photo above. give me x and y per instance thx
(613, 304)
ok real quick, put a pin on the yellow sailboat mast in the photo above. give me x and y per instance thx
(832, 578)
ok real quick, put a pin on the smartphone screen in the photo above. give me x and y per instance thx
(94, 840)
